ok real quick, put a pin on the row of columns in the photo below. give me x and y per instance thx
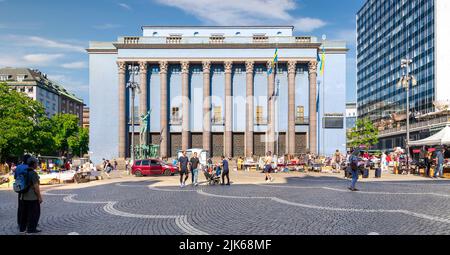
(207, 108)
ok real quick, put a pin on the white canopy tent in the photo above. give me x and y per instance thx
(441, 138)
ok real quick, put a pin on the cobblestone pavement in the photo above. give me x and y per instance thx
(295, 206)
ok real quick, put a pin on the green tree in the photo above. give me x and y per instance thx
(64, 129)
(79, 145)
(364, 133)
(24, 126)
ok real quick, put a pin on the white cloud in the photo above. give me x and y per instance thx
(308, 24)
(348, 35)
(250, 12)
(41, 42)
(75, 65)
(74, 86)
(107, 26)
(42, 59)
(125, 6)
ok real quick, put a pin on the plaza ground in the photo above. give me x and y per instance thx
(294, 204)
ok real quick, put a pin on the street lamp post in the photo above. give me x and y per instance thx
(404, 82)
(133, 86)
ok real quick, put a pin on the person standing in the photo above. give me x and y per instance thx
(183, 163)
(384, 162)
(31, 200)
(21, 169)
(439, 163)
(127, 166)
(194, 164)
(353, 161)
(427, 162)
(226, 171)
(268, 167)
(115, 165)
(337, 160)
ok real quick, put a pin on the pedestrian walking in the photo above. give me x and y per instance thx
(439, 163)
(108, 168)
(194, 165)
(183, 163)
(353, 161)
(337, 160)
(115, 165)
(225, 171)
(268, 167)
(30, 199)
(427, 161)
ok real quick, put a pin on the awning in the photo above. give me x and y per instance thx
(441, 138)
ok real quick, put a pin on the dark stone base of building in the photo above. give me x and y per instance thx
(217, 139)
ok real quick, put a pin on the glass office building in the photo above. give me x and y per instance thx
(387, 32)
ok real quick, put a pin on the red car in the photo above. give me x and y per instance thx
(152, 167)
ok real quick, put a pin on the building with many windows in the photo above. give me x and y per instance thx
(35, 84)
(86, 117)
(211, 88)
(387, 32)
(351, 115)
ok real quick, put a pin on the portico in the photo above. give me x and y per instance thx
(213, 90)
(207, 107)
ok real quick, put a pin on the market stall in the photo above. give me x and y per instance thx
(442, 138)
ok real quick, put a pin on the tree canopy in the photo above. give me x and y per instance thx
(25, 128)
(364, 133)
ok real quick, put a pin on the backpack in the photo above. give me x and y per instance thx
(353, 164)
(22, 183)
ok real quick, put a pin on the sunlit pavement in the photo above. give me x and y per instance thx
(293, 204)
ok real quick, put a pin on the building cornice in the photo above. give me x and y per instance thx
(101, 51)
(220, 46)
(213, 60)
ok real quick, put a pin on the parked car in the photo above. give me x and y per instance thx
(152, 167)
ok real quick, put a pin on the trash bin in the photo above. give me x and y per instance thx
(366, 173)
(378, 173)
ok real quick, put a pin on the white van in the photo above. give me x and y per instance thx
(202, 154)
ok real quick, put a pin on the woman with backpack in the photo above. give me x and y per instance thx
(30, 198)
(353, 161)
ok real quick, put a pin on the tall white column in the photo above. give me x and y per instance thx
(250, 110)
(228, 109)
(207, 105)
(186, 105)
(122, 110)
(163, 68)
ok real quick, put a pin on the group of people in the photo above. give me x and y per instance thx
(439, 160)
(192, 165)
(109, 166)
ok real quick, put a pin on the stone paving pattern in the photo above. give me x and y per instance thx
(292, 205)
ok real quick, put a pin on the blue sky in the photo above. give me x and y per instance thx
(51, 34)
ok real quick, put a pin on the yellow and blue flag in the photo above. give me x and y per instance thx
(322, 62)
(274, 62)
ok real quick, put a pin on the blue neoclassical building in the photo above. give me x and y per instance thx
(211, 88)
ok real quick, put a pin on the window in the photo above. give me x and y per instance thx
(138, 163)
(300, 115)
(30, 90)
(217, 118)
(175, 117)
(154, 163)
(259, 115)
(145, 163)
(20, 78)
(333, 122)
